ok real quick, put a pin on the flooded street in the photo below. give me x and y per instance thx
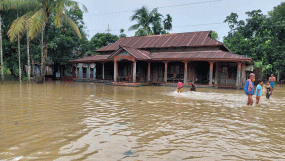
(85, 121)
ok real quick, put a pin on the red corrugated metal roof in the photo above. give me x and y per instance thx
(217, 55)
(202, 55)
(139, 54)
(190, 39)
(91, 59)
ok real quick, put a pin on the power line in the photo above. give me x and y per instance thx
(178, 26)
(179, 5)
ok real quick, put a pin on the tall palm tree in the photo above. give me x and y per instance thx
(37, 19)
(167, 22)
(1, 50)
(15, 5)
(144, 19)
(157, 19)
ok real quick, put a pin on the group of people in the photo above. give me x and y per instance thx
(180, 85)
(249, 88)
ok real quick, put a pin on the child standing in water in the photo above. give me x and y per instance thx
(268, 90)
(179, 87)
(193, 87)
(258, 91)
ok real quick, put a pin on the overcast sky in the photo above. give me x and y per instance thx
(187, 15)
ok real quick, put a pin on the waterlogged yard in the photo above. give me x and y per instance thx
(85, 121)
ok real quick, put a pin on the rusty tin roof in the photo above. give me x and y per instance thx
(96, 58)
(199, 55)
(190, 39)
(139, 54)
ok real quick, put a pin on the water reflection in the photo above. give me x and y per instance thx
(86, 121)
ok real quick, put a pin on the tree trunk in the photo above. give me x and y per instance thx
(44, 56)
(19, 53)
(28, 54)
(33, 64)
(1, 50)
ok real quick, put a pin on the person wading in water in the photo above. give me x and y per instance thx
(193, 88)
(272, 80)
(249, 88)
(269, 90)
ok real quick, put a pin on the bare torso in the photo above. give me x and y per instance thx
(272, 79)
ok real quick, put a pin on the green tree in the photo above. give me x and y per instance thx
(38, 18)
(214, 35)
(260, 37)
(167, 23)
(141, 32)
(16, 5)
(64, 45)
(150, 23)
(144, 19)
(101, 39)
(1, 49)
(157, 20)
(122, 33)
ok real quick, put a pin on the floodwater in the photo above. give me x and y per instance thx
(96, 122)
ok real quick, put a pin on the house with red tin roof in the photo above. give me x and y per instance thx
(169, 58)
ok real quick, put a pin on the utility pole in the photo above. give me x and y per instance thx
(108, 29)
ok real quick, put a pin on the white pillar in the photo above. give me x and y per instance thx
(148, 72)
(238, 74)
(217, 73)
(103, 70)
(115, 71)
(134, 71)
(76, 71)
(89, 71)
(185, 72)
(211, 74)
(165, 72)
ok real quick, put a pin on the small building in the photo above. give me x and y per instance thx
(169, 58)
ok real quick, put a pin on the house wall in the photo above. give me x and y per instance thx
(227, 73)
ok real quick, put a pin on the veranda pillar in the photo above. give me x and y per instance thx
(103, 70)
(216, 74)
(89, 73)
(242, 79)
(211, 74)
(148, 72)
(134, 71)
(185, 72)
(238, 74)
(115, 71)
(165, 72)
(76, 71)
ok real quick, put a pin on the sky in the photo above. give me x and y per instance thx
(187, 15)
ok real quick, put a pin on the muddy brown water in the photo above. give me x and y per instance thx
(85, 121)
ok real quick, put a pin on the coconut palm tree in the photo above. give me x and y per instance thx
(1, 50)
(37, 19)
(14, 5)
(144, 19)
(167, 22)
(157, 19)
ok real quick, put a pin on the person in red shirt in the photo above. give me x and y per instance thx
(179, 87)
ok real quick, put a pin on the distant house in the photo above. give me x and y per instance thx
(192, 56)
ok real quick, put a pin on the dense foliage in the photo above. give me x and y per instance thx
(261, 38)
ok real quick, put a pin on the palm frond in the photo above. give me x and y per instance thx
(18, 26)
(75, 4)
(37, 22)
(72, 24)
(152, 12)
(18, 4)
(134, 27)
